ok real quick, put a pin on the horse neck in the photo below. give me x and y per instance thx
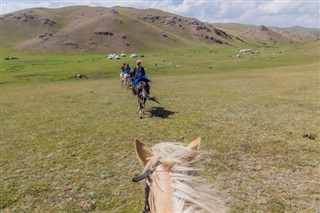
(176, 185)
(161, 191)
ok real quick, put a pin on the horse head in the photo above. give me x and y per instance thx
(173, 184)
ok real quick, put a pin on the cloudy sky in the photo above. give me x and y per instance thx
(280, 13)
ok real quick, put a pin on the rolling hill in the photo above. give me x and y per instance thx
(88, 28)
(266, 34)
(306, 33)
(263, 34)
(84, 28)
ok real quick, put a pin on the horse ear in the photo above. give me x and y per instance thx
(195, 145)
(142, 152)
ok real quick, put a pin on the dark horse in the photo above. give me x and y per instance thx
(141, 92)
(141, 89)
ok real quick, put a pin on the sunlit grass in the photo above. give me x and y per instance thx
(67, 146)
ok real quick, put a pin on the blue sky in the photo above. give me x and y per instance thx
(278, 13)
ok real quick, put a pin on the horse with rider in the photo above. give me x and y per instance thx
(140, 84)
(138, 76)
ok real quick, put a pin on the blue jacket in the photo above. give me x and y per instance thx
(141, 78)
(127, 69)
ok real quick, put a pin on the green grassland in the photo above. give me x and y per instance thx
(67, 144)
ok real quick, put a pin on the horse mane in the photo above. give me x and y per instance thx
(191, 193)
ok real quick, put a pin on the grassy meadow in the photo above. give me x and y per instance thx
(67, 144)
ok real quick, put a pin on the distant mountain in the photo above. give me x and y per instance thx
(233, 28)
(305, 33)
(98, 28)
(283, 32)
(263, 34)
(292, 34)
(122, 29)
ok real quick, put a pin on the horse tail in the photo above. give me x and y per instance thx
(153, 99)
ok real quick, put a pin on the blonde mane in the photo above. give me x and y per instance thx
(191, 193)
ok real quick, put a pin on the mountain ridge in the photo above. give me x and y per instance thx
(84, 28)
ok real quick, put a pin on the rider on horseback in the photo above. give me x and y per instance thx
(139, 74)
(127, 69)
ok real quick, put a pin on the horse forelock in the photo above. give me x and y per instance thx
(191, 193)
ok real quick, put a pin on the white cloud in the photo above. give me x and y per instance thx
(8, 7)
(276, 7)
(280, 13)
(307, 20)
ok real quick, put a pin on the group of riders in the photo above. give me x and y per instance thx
(136, 75)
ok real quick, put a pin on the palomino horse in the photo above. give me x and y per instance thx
(173, 185)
